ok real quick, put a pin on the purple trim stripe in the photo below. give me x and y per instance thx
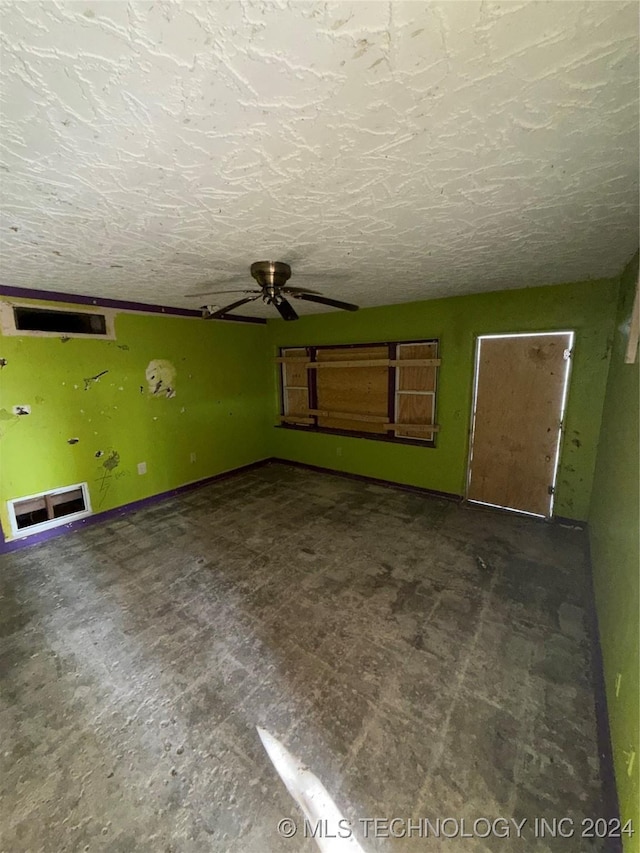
(117, 512)
(242, 318)
(610, 802)
(58, 296)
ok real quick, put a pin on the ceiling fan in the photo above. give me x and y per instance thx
(272, 276)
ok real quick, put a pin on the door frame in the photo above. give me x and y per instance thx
(563, 410)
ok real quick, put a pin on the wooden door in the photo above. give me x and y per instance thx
(518, 408)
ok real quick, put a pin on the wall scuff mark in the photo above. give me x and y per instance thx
(73, 440)
(106, 474)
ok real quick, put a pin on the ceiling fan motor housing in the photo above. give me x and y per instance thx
(271, 275)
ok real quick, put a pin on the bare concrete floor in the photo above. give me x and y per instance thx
(423, 659)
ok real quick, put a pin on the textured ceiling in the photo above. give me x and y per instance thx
(388, 151)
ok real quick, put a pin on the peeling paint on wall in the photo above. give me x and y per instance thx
(161, 376)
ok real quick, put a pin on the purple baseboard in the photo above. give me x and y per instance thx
(99, 517)
(7, 547)
(375, 481)
(610, 803)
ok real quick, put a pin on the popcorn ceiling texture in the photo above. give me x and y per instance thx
(397, 150)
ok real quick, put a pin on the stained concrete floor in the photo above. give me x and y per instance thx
(425, 660)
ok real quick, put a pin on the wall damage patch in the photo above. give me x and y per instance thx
(112, 461)
(87, 382)
(160, 375)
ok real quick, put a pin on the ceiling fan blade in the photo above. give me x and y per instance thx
(216, 292)
(298, 290)
(323, 300)
(285, 308)
(221, 311)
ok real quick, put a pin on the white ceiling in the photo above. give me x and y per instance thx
(398, 150)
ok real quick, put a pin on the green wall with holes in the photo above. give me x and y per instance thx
(225, 405)
(586, 307)
(216, 408)
(614, 527)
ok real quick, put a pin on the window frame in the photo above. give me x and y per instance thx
(392, 393)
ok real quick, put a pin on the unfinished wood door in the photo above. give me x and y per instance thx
(518, 409)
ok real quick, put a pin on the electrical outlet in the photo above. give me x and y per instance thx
(142, 467)
(338, 451)
(193, 458)
(618, 683)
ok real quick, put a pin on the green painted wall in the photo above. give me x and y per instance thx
(614, 530)
(224, 408)
(219, 411)
(588, 308)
